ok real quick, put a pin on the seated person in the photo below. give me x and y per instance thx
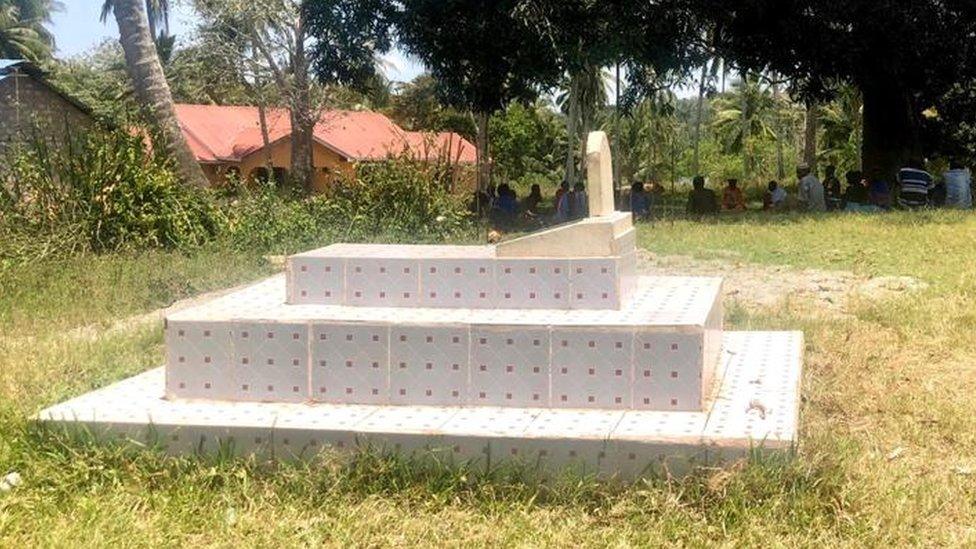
(856, 194)
(640, 205)
(775, 197)
(732, 197)
(958, 182)
(579, 206)
(701, 201)
(562, 203)
(832, 192)
(531, 203)
(505, 208)
(915, 184)
(879, 194)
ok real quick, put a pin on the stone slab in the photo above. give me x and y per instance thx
(756, 408)
(607, 236)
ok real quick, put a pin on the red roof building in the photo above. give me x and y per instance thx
(228, 138)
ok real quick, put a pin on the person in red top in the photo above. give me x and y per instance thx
(732, 197)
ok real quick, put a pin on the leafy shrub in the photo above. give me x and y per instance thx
(396, 200)
(106, 193)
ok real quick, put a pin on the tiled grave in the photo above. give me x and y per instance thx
(547, 350)
(755, 409)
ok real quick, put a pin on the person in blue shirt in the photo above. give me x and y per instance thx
(640, 206)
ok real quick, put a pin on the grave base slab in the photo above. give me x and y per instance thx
(756, 409)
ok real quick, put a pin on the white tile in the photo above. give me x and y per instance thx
(668, 371)
(594, 284)
(591, 368)
(457, 283)
(350, 363)
(375, 282)
(509, 367)
(428, 365)
(271, 362)
(200, 360)
(532, 283)
(316, 280)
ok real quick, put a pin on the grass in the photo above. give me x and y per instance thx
(897, 374)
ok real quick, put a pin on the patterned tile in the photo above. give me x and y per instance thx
(593, 284)
(591, 368)
(200, 360)
(316, 280)
(668, 371)
(428, 365)
(532, 283)
(509, 367)
(372, 282)
(457, 283)
(271, 362)
(350, 363)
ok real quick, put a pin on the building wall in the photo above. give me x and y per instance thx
(29, 109)
(329, 167)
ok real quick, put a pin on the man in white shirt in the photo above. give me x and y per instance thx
(811, 190)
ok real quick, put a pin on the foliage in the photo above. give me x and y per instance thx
(399, 199)
(106, 193)
(482, 54)
(22, 31)
(416, 106)
(819, 45)
(527, 140)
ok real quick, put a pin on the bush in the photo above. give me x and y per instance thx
(111, 194)
(396, 200)
(107, 193)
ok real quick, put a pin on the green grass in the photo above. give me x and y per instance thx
(898, 374)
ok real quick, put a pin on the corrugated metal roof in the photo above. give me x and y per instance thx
(7, 63)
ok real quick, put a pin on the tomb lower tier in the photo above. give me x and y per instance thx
(658, 352)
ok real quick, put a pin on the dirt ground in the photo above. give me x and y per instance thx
(756, 286)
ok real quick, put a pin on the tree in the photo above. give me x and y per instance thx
(22, 31)
(157, 14)
(416, 106)
(483, 55)
(151, 87)
(902, 55)
(744, 116)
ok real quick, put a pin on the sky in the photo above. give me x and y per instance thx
(78, 30)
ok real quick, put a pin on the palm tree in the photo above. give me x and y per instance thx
(157, 12)
(151, 87)
(742, 116)
(22, 31)
(585, 93)
(841, 122)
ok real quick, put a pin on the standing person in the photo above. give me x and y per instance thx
(563, 201)
(915, 184)
(732, 197)
(640, 206)
(835, 199)
(811, 190)
(531, 203)
(701, 201)
(958, 181)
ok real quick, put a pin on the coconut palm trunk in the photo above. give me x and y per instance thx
(152, 90)
(572, 120)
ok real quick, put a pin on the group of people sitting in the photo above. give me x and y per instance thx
(504, 208)
(916, 189)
